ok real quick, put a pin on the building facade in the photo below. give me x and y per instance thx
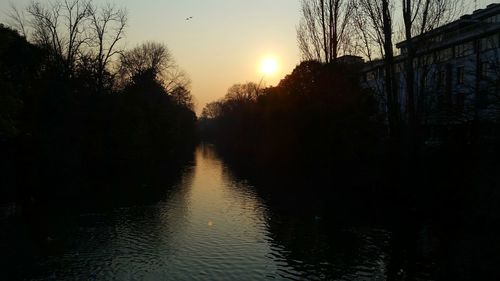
(456, 72)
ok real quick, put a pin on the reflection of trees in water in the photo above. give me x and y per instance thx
(303, 244)
(132, 242)
(339, 241)
(318, 251)
(96, 241)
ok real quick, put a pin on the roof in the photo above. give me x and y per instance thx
(467, 25)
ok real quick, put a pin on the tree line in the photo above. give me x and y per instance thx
(76, 105)
(317, 119)
(370, 28)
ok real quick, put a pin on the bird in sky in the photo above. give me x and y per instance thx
(189, 18)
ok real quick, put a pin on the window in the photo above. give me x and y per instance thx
(460, 75)
(493, 19)
(428, 59)
(464, 49)
(441, 78)
(444, 55)
(484, 69)
(489, 42)
(437, 38)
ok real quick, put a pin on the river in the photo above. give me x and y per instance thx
(212, 225)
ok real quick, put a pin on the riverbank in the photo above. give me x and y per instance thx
(446, 184)
(36, 189)
(217, 221)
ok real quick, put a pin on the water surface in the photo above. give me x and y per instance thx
(210, 226)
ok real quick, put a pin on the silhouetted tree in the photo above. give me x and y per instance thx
(108, 24)
(317, 116)
(323, 31)
(59, 27)
(212, 110)
(74, 30)
(420, 17)
(243, 92)
(379, 28)
(19, 62)
(64, 120)
(182, 97)
(157, 58)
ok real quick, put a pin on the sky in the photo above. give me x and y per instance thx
(223, 44)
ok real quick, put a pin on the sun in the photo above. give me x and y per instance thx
(268, 66)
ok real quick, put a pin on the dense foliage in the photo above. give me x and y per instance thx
(58, 128)
(317, 117)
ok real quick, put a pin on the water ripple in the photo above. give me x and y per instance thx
(212, 226)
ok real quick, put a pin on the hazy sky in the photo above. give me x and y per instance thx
(225, 40)
(223, 43)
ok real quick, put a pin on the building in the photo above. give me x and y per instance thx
(457, 70)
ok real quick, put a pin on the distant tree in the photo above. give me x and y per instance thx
(175, 77)
(59, 27)
(317, 115)
(75, 32)
(147, 56)
(51, 121)
(108, 25)
(243, 92)
(322, 32)
(303, 78)
(182, 97)
(155, 57)
(212, 110)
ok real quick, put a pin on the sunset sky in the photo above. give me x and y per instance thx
(223, 44)
(225, 41)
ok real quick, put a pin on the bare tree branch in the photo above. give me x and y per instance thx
(321, 33)
(155, 57)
